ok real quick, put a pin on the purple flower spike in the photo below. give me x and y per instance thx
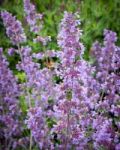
(14, 28)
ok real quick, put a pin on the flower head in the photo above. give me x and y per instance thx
(14, 28)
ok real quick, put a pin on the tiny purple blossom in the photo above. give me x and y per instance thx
(14, 28)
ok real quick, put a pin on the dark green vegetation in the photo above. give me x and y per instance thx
(96, 15)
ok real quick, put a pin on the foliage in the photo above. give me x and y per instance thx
(95, 16)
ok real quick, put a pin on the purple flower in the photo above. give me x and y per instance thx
(33, 18)
(11, 51)
(107, 75)
(75, 95)
(9, 110)
(36, 123)
(14, 28)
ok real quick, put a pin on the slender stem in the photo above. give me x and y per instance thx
(102, 94)
(67, 132)
(30, 148)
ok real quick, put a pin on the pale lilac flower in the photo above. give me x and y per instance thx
(14, 28)
(33, 18)
(9, 110)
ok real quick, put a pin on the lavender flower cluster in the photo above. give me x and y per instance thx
(9, 110)
(14, 29)
(33, 18)
(108, 105)
(73, 105)
(35, 22)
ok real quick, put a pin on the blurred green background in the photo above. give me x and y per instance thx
(96, 15)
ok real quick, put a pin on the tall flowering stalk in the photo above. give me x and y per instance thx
(33, 18)
(14, 29)
(9, 111)
(35, 22)
(39, 81)
(17, 36)
(74, 93)
(107, 122)
(36, 88)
